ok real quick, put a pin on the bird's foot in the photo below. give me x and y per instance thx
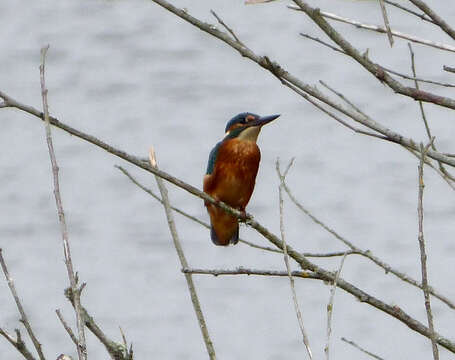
(245, 218)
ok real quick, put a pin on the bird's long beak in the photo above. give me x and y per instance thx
(263, 120)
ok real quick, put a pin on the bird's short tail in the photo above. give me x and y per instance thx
(224, 238)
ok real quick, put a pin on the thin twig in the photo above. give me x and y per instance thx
(246, 271)
(394, 72)
(424, 118)
(423, 255)
(18, 343)
(366, 253)
(24, 319)
(435, 17)
(380, 29)
(222, 23)
(182, 258)
(449, 68)
(67, 327)
(116, 350)
(81, 348)
(386, 22)
(286, 259)
(412, 12)
(362, 349)
(330, 308)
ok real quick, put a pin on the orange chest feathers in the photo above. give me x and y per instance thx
(239, 159)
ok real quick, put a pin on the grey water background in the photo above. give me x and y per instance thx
(135, 75)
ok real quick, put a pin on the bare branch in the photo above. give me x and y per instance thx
(286, 258)
(195, 219)
(380, 29)
(222, 23)
(116, 351)
(330, 308)
(409, 11)
(245, 271)
(183, 262)
(394, 72)
(435, 17)
(81, 347)
(18, 343)
(423, 255)
(386, 22)
(366, 253)
(424, 118)
(67, 327)
(361, 349)
(449, 69)
(24, 319)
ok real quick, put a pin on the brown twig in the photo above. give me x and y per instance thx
(423, 255)
(394, 72)
(182, 258)
(330, 308)
(286, 257)
(362, 349)
(67, 327)
(246, 271)
(18, 343)
(409, 11)
(24, 319)
(116, 351)
(424, 118)
(449, 68)
(222, 23)
(435, 17)
(381, 30)
(366, 253)
(81, 347)
(386, 22)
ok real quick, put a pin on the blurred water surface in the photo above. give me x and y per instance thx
(134, 75)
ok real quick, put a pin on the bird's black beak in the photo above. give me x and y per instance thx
(263, 120)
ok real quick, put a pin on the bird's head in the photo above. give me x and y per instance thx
(246, 126)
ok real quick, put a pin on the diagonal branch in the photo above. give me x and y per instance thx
(183, 261)
(373, 68)
(435, 17)
(386, 22)
(18, 343)
(24, 319)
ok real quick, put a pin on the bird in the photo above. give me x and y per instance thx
(231, 174)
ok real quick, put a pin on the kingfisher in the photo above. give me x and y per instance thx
(231, 173)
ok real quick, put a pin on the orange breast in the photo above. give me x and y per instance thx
(234, 175)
